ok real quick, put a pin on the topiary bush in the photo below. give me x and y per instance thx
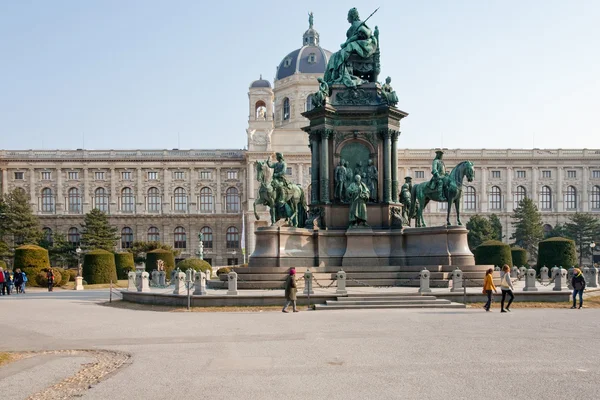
(124, 263)
(72, 275)
(557, 251)
(31, 256)
(41, 278)
(196, 264)
(519, 257)
(64, 276)
(167, 256)
(493, 252)
(223, 270)
(99, 267)
(3, 265)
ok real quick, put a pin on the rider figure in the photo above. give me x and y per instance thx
(279, 182)
(438, 169)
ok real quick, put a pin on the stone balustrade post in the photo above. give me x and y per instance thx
(514, 272)
(162, 278)
(179, 281)
(341, 283)
(144, 282)
(457, 281)
(553, 271)
(530, 276)
(155, 278)
(131, 286)
(232, 289)
(199, 283)
(138, 280)
(544, 274)
(424, 282)
(592, 281)
(560, 279)
(308, 278)
(522, 273)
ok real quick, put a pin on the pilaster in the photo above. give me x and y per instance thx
(32, 194)
(387, 165)
(315, 171)
(324, 178)
(59, 192)
(508, 200)
(483, 197)
(86, 197)
(394, 155)
(4, 181)
(585, 201)
(114, 197)
(219, 197)
(559, 190)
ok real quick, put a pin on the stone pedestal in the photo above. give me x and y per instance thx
(560, 280)
(179, 281)
(162, 278)
(514, 272)
(131, 286)
(592, 277)
(199, 283)
(78, 283)
(424, 282)
(232, 284)
(522, 273)
(359, 248)
(457, 281)
(530, 281)
(308, 283)
(544, 275)
(155, 278)
(341, 284)
(144, 282)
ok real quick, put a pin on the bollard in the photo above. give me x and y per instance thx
(457, 281)
(553, 272)
(155, 278)
(341, 283)
(144, 282)
(199, 283)
(530, 281)
(79, 283)
(593, 277)
(496, 268)
(232, 284)
(560, 278)
(162, 278)
(138, 279)
(569, 277)
(308, 288)
(131, 286)
(179, 282)
(514, 272)
(189, 275)
(522, 273)
(424, 282)
(544, 274)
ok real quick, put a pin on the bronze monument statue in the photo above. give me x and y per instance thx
(388, 92)
(340, 181)
(405, 200)
(438, 170)
(358, 194)
(372, 180)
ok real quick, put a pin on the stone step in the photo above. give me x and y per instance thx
(376, 297)
(383, 268)
(386, 306)
(383, 302)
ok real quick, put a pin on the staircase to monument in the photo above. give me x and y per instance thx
(386, 301)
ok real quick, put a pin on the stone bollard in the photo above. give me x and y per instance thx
(593, 277)
(544, 274)
(560, 279)
(144, 282)
(569, 277)
(189, 276)
(522, 273)
(232, 284)
(496, 268)
(172, 281)
(341, 283)
(530, 276)
(553, 272)
(79, 283)
(138, 279)
(308, 280)
(162, 278)
(155, 278)
(199, 283)
(514, 272)
(424, 283)
(131, 286)
(179, 282)
(457, 281)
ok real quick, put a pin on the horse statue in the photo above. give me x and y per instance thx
(294, 207)
(452, 190)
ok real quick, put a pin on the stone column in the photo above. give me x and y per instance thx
(139, 193)
(314, 175)
(113, 192)
(585, 202)
(324, 178)
(483, 193)
(218, 199)
(508, 200)
(534, 185)
(301, 175)
(559, 191)
(387, 167)
(395, 166)
(193, 206)
(166, 201)
(59, 189)
(250, 194)
(4, 181)
(33, 199)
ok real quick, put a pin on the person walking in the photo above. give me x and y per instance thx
(488, 286)
(507, 289)
(18, 280)
(2, 281)
(50, 278)
(290, 291)
(25, 279)
(578, 283)
(7, 282)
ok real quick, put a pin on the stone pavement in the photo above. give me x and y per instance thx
(387, 354)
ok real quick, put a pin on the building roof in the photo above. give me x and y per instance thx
(260, 83)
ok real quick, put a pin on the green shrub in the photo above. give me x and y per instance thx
(167, 256)
(493, 252)
(223, 270)
(519, 257)
(99, 267)
(557, 251)
(72, 275)
(63, 274)
(196, 264)
(31, 256)
(3, 265)
(41, 278)
(124, 263)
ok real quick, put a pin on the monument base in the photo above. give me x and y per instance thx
(78, 283)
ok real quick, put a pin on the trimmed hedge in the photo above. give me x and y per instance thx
(31, 256)
(153, 256)
(557, 251)
(124, 263)
(3, 265)
(493, 252)
(42, 280)
(64, 276)
(196, 264)
(223, 270)
(99, 267)
(519, 257)
(72, 275)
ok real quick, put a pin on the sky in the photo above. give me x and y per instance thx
(123, 74)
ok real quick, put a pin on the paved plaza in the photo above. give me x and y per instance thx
(386, 354)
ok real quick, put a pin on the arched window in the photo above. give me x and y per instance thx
(442, 206)
(260, 110)
(595, 198)
(547, 230)
(153, 234)
(74, 200)
(470, 198)
(153, 200)
(180, 199)
(101, 199)
(309, 104)
(127, 200)
(286, 109)
(179, 238)
(546, 198)
(520, 194)
(126, 238)
(47, 200)
(232, 200)
(495, 198)
(73, 237)
(47, 236)
(207, 237)
(571, 198)
(233, 238)
(206, 200)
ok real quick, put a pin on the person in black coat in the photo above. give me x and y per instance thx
(578, 283)
(18, 280)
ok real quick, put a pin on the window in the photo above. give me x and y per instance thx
(46, 175)
(205, 175)
(495, 198)
(101, 199)
(571, 198)
(496, 174)
(127, 200)
(179, 238)
(442, 206)
(208, 260)
(73, 237)
(546, 198)
(470, 199)
(99, 175)
(287, 62)
(152, 175)
(232, 261)
(232, 200)
(233, 238)
(207, 237)
(126, 175)
(312, 58)
(178, 175)
(595, 198)
(180, 199)
(547, 230)
(309, 102)
(74, 175)
(520, 194)
(419, 174)
(74, 200)
(47, 200)
(596, 174)
(232, 174)
(126, 238)
(47, 236)
(153, 200)
(571, 174)
(286, 109)
(19, 176)
(206, 200)
(546, 174)
(288, 171)
(153, 234)
(521, 174)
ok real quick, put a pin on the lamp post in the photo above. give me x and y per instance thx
(78, 251)
(593, 247)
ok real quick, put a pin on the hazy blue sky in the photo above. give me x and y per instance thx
(134, 74)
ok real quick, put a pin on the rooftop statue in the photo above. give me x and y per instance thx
(310, 20)
(388, 92)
